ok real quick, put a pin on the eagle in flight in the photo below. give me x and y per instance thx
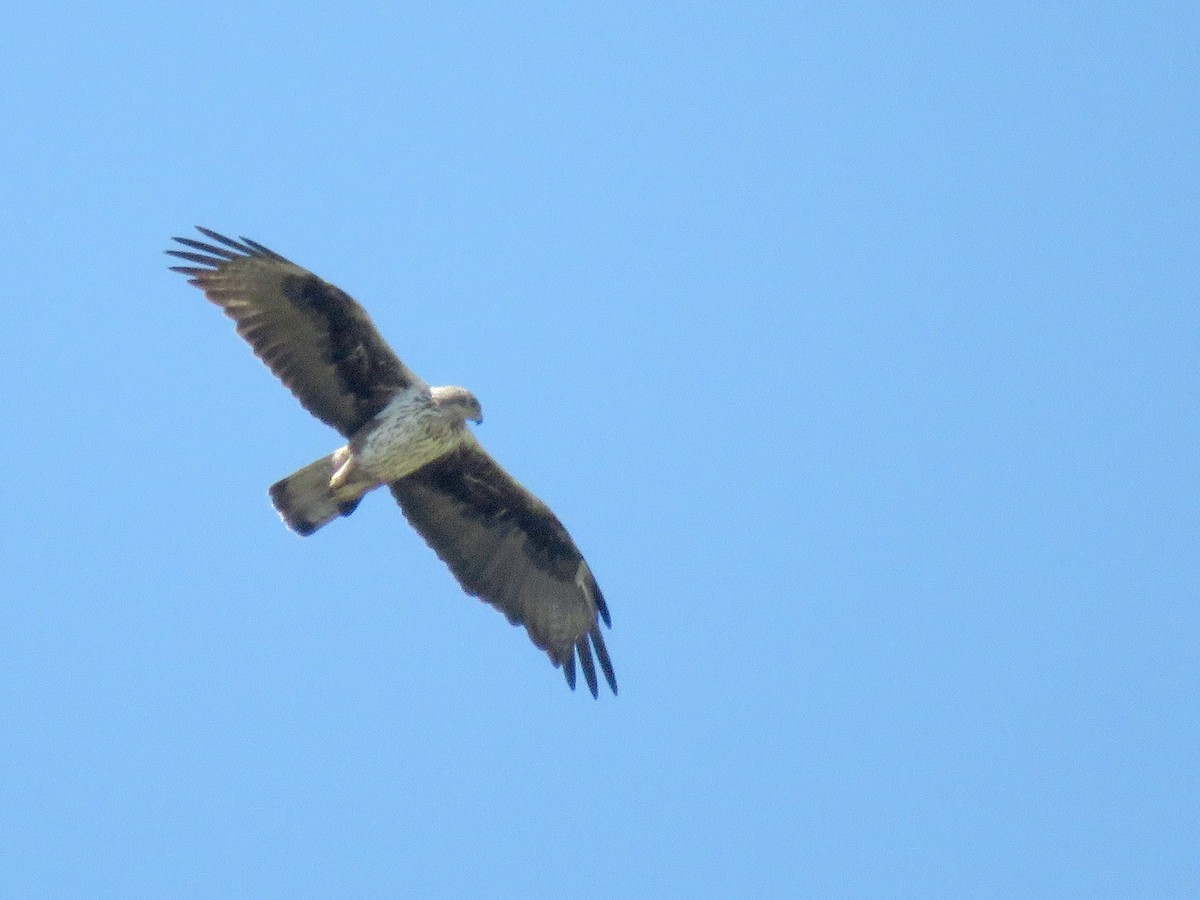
(502, 544)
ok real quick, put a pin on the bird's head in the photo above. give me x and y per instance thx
(458, 402)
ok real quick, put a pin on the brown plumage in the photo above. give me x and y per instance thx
(502, 544)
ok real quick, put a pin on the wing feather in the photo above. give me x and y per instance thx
(316, 339)
(507, 548)
(584, 652)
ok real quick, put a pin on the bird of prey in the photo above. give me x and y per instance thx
(502, 544)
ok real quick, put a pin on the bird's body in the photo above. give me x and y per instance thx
(502, 543)
(418, 425)
(412, 430)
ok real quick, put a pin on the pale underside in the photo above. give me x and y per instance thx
(410, 432)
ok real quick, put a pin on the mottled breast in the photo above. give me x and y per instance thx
(406, 434)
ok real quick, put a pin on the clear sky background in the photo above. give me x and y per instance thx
(856, 344)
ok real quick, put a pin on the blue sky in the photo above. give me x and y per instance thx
(856, 344)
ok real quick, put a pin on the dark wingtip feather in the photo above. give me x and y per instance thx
(227, 241)
(213, 256)
(196, 257)
(602, 656)
(601, 606)
(221, 252)
(569, 669)
(259, 249)
(589, 667)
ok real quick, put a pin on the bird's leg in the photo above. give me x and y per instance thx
(344, 471)
(349, 482)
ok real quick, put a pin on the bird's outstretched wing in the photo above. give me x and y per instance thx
(319, 342)
(506, 547)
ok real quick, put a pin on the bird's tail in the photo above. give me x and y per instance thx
(305, 500)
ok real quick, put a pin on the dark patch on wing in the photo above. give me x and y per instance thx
(315, 338)
(508, 548)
